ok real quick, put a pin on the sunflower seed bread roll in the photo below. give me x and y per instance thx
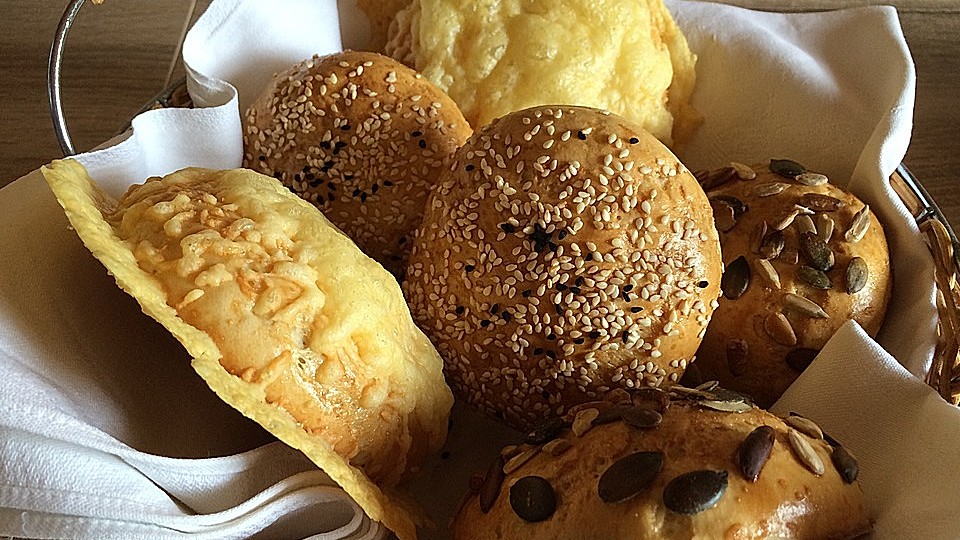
(565, 253)
(802, 257)
(697, 464)
(287, 321)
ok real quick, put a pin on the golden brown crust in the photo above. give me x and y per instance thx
(565, 253)
(381, 14)
(787, 500)
(748, 342)
(362, 137)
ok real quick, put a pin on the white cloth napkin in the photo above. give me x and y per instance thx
(105, 432)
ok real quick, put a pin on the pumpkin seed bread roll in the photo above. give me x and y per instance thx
(494, 57)
(362, 137)
(287, 321)
(802, 257)
(692, 464)
(565, 253)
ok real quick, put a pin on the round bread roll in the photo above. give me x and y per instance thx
(660, 467)
(565, 253)
(363, 138)
(802, 257)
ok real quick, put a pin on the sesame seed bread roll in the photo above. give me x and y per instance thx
(363, 138)
(802, 257)
(565, 253)
(655, 468)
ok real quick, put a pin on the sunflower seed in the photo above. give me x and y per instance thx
(825, 226)
(816, 252)
(490, 488)
(787, 168)
(520, 460)
(544, 431)
(757, 235)
(845, 464)
(772, 244)
(744, 172)
(768, 272)
(723, 215)
(768, 189)
(821, 203)
(628, 476)
(510, 450)
(799, 359)
(708, 386)
(857, 275)
(532, 498)
(617, 395)
(737, 356)
(557, 447)
(754, 452)
(805, 224)
(804, 306)
(695, 491)
(584, 421)
(736, 278)
(814, 278)
(601, 406)
(715, 177)
(858, 225)
(739, 207)
(811, 179)
(805, 452)
(804, 425)
(654, 399)
(726, 406)
(786, 219)
(779, 329)
(641, 418)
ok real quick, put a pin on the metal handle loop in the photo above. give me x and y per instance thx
(54, 65)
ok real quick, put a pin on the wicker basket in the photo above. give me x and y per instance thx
(944, 374)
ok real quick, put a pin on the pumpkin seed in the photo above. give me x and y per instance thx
(757, 235)
(804, 306)
(715, 177)
(825, 226)
(799, 359)
(772, 244)
(805, 452)
(811, 179)
(520, 460)
(819, 202)
(787, 168)
(814, 278)
(804, 425)
(744, 172)
(557, 447)
(845, 464)
(768, 189)
(816, 252)
(805, 224)
(723, 215)
(532, 498)
(695, 491)
(726, 406)
(490, 488)
(641, 418)
(628, 476)
(544, 431)
(723, 394)
(768, 272)
(584, 421)
(739, 207)
(789, 256)
(754, 452)
(779, 329)
(736, 278)
(857, 275)
(737, 356)
(858, 225)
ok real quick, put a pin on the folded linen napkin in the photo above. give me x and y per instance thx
(106, 433)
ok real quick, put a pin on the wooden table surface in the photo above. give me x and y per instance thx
(136, 42)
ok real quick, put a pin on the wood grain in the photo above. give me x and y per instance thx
(119, 56)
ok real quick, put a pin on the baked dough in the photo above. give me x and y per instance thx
(497, 56)
(654, 468)
(286, 320)
(759, 342)
(566, 253)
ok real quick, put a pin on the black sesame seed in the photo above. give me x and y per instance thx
(561, 287)
(579, 341)
(469, 167)
(551, 336)
(561, 235)
(628, 287)
(579, 282)
(634, 140)
(375, 188)
(526, 293)
(551, 355)
(460, 310)
(636, 309)
(626, 336)
(416, 133)
(506, 316)
(484, 323)
(363, 197)
(537, 351)
(262, 158)
(356, 192)
(422, 143)
(594, 335)
(558, 308)
(495, 309)
(345, 127)
(703, 284)
(340, 144)
(469, 268)
(581, 135)
(325, 145)
(386, 183)
(508, 228)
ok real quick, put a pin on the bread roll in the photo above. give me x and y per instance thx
(363, 138)
(566, 253)
(286, 319)
(822, 260)
(658, 467)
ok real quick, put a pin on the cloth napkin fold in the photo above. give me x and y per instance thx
(105, 432)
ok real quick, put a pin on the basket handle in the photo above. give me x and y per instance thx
(54, 65)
